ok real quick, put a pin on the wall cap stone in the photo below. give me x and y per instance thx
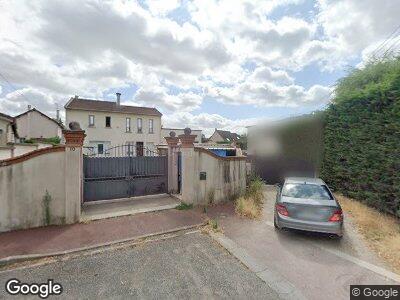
(29, 155)
(227, 158)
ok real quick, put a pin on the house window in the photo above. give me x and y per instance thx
(108, 121)
(128, 124)
(151, 130)
(91, 120)
(100, 148)
(139, 125)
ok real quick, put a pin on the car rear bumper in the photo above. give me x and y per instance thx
(325, 227)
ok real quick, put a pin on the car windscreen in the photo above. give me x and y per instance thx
(311, 191)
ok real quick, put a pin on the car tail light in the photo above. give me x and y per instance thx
(337, 216)
(281, 209)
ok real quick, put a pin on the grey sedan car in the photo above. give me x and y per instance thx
(308, 204)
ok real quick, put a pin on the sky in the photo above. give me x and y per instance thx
(204, 63)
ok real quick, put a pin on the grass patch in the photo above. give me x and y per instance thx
(250, 204)
(381, 231)
(184, 206)
(212, 226)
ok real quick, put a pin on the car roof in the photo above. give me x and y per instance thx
(305, 180)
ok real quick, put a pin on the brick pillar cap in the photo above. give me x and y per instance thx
(172, 140)
(74, 138)
(187, 139)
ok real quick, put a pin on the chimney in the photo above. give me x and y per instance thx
(118, 98)
(29, 107)
(58, 114)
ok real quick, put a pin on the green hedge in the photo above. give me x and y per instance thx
(362, 136)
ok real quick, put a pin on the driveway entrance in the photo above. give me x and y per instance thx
(124, 171)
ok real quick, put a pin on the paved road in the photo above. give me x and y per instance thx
(183, 267)
(317, 266)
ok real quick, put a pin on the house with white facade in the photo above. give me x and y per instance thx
(33, 124)
(223, 136)
(8, 130)
(109, 124)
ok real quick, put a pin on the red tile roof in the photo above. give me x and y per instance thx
(109, 106)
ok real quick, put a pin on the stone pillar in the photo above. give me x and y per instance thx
(173, 151)
(73, 172)
(188, 166)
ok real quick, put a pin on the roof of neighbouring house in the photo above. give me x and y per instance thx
(109, 106)
(43, 114)
(227, 135)
(4, 116)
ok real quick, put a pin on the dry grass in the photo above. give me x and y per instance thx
(250, 204)
(248, 207)
(381, 231)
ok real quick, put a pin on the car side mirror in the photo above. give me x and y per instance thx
(278, 185)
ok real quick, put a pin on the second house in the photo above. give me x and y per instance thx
(108, 124)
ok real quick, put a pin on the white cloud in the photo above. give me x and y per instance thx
(18, 101)
(159, 97)
(163, 7)
(354, 25)
(228, 51)
(207, 122)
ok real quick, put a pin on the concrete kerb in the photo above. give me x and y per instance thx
(21, 258)
(280, 285)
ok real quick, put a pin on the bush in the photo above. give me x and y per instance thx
(362, 136)
(255, 190)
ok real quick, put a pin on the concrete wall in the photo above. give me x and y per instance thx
(24, 181)
(116, 135)
(6, 152)
(225, 177)
(13, 150)
(4, 124)
(35, 125)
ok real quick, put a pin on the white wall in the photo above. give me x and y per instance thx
(216, 138)
(5, 152)
(24, 182)
(116, 135)
(14, 150)
(218, 186)
(35, 125)
(3, 131)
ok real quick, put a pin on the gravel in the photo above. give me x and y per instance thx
(187, 266)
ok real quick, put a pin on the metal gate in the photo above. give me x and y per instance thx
(122, 172)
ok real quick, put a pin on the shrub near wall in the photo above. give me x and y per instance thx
(362, 136)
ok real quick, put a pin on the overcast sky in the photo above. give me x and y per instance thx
(203, 64)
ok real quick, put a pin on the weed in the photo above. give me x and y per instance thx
(211, 196)
(250, 204)
(46, 204)
(212, 226)
(184, 206)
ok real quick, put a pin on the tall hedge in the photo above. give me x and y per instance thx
(362, 136)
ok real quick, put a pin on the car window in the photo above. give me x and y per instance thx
(311, 191)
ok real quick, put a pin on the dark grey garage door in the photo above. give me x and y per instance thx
(117, 173)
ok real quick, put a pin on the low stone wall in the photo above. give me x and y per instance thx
(42, 187)
(208, 178)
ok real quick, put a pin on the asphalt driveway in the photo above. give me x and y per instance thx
(188, 266)
(315, 265)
